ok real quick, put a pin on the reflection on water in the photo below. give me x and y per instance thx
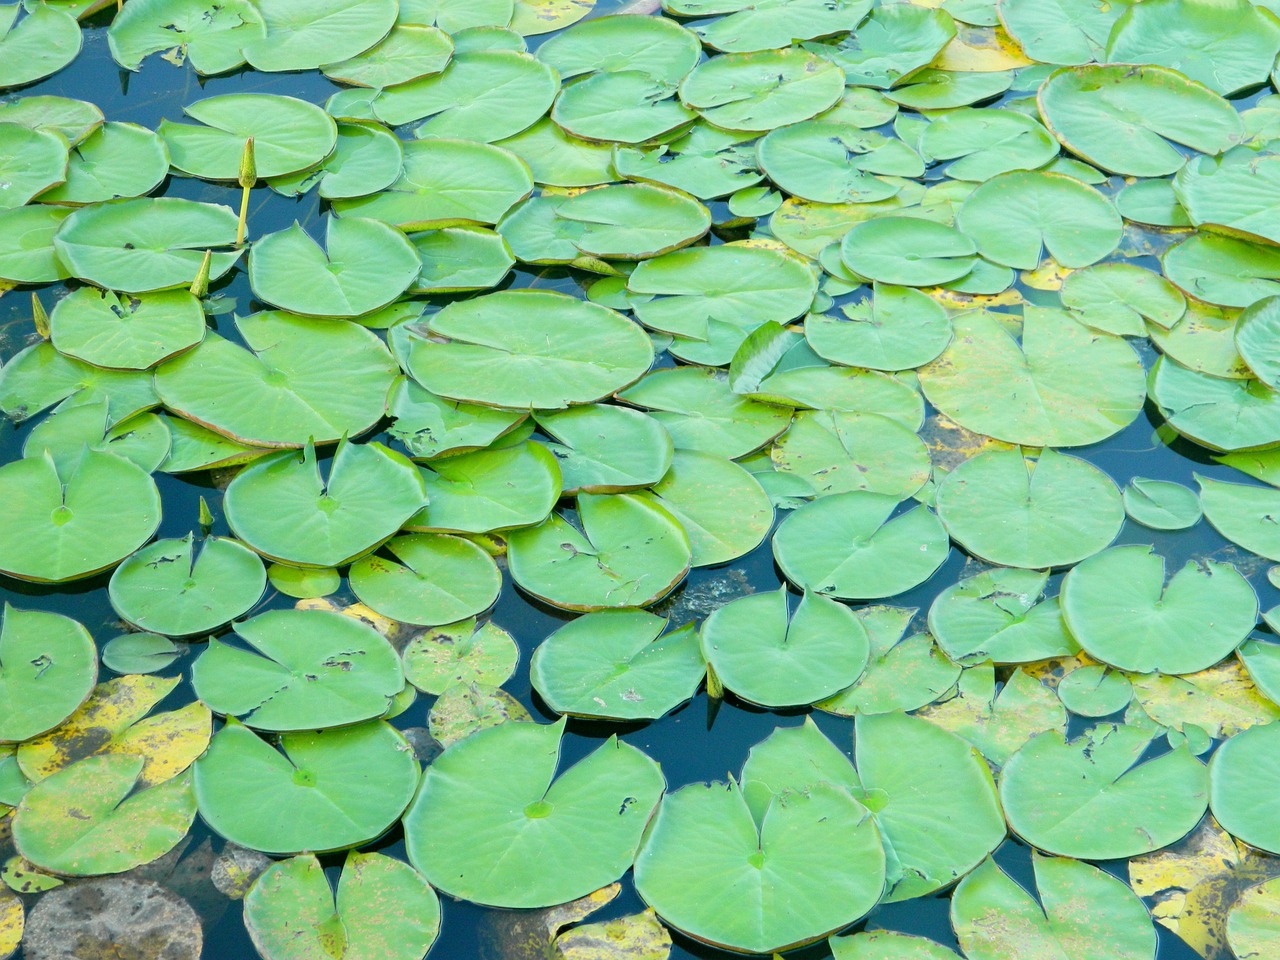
(701, 741)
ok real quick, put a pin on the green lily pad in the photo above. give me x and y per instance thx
(614, 665)
(283, 507)
(299, 670)
(1132, 125)
(624, 107)
(291, 912)
(126, 332)
(1093, 799)
(835, 163)
(26, 244)
(1252, 922)
(288, 135)
(768, 656)
(1053, 514)
(1225, 271)
(31, 162)
(430, 426)
(305, 583)
(456, 259)
(1061, 386)
(1220, 414)
(39, 376)
(656, 46)
(1000, 615)
(86, 819)
(702, 412)
(71, 524)
(558, 159)
(745, 26)
(838, 452)
(142, 439)
(1061, 31)
(894, 43)
(1121, 299)
(1255, 331)
(933, 89)
(485, 95)
(410, 51)
(193, 447)
(170, 587)
(1232, 193)
(1151, 202)
(1121, 610)
(116, 160)
(907, 251)
(897, 328)
(48, 667)
(512, 486)
(445, 183)
(847, 546)
(630, 553)
(74, 119)
(603, 448)
(760, 91)
(524, 349)
(366, 158)
(721, 506)
(1226, 46)
(437, 579)
(560, 839)
(146, 244)
(310, 794)
(1243, 514)
(706, 162)
(460, 654)
(325, 31)
(982, 144)
(464, 709)
(211, 34)
(1095, 691)
(281, 391)
(139, 653)
(1018, 218)
(35, 41)
(810, 863)
(1081, 910)
(364, 265)
(911, 772)
(1161, 504)
(1242, 775)
(887, 945)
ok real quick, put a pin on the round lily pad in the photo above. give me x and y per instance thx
(657, 46)
(897, 328)
(35, 42)
(1215, 412)
(281, 390)
(849, 546)
(839, 452)
(1121, 298)
(769, 656)
(628, 106)
(325, 31)
(433, 580)
(304, 582)
(1242, 778)
(313, 793)
(889, 46)
(604, 448)
(999, 615)
(489, 490)
(1252, 922)
(31, 162)
(835, 163)
(614, 665)
(64, 525)
(175, 588)
(460, 654)
(430, 426)
(126, 332)
(1231, 193)
(1095, 691)
(982, 144)
(760, 91)
(139, 653)
(1051, 514)
(529, 349)
(630, 552)
(1093, 799)
(1122, 611)
(908, 251)
(560, 839)
(409, 51)
(283, 507)
(48, 666)
(211, 34)
(299, 670)
(366, 158)
(1062, 385)
(1161, 504)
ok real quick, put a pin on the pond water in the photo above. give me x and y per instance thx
(703, 740)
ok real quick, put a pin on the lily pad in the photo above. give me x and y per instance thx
(511, 486)
(605, 448)
(528, 349)
(366, 158)
(1121, 610)
(1220, 414)
(48, 666)
(1225, 271)
(126, 332)
(1121, 299)
(300, 670)
(283, 508)
(364, 266)
(1053, 514)
(291, 912)
(313, 793)
(897, 328)
(410, 51)
(139, 653)
(630, 552)
(1000, 615)
(894, 43)
(760, 91)
(1093, 798)
(325, 31)
(656, 46)
(848, 546)
(1241, 778)
(174, 588)
(745, 26)
(908, 251)
(211, 34)
(1062, 385)
(460, 654)
(838, 452)
(560, 839)
(434, 580)
(65, 525)
(768, 656)
(31, 161)
(35, 42)
(1251, 925)
(982, 144)
(430, 426)
(614, 665)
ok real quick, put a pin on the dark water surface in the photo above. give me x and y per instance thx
(696, 742)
